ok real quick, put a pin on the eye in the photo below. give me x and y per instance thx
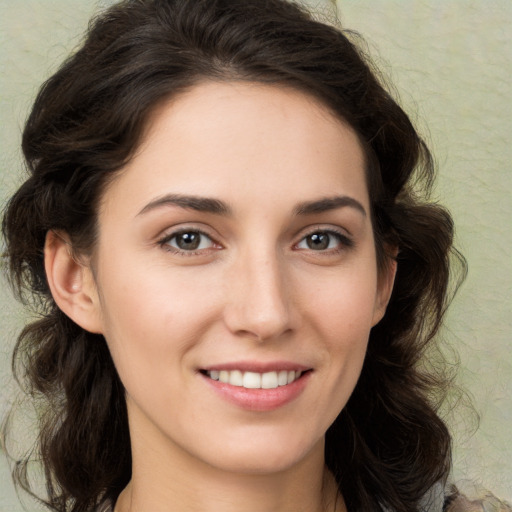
(188, 241)
(324, 241)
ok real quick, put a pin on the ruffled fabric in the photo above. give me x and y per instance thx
(485, 501)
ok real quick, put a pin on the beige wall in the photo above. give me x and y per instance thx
(451, 63)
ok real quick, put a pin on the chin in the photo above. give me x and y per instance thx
(270, 455)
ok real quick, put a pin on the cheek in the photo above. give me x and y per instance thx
(152, 318)
(342, 316)
(343, 304)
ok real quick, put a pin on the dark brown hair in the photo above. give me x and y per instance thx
(388, 446)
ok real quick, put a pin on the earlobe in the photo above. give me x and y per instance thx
(385, 287)
(71, 283)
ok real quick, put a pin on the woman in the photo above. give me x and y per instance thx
(237, 278)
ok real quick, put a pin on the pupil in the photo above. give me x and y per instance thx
(188, 241)
(318, 241)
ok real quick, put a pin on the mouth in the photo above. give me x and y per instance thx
(255, 380)
(256, 386)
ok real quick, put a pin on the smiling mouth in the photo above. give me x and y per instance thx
(254, 380)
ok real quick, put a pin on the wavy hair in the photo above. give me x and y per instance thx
(388, 446)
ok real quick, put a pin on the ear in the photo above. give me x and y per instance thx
(386, 280)
(71, 283)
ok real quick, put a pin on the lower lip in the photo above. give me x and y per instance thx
(259, 399)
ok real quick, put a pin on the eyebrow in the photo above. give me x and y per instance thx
(197, 203)
(218, 207)
(328, 203)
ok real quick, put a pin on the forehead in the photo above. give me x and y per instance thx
(238, 140)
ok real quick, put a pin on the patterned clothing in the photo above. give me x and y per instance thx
(486, 502)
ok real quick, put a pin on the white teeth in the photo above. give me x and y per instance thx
(254, 380)
(236, 378)
(269, 380)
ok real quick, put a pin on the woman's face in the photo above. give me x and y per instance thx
(237, 245)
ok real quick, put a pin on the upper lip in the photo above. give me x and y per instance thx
(257, 366)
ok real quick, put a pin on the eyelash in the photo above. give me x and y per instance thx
(344, 242)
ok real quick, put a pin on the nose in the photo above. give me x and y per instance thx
(259, 298)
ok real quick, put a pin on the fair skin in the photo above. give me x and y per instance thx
(238, 240)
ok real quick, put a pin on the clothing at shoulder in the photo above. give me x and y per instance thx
(466, 497)
(486, 502)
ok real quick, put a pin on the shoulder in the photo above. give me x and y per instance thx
(481, 501)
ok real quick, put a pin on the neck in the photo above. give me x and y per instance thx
(167, 479)
(272, 493)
